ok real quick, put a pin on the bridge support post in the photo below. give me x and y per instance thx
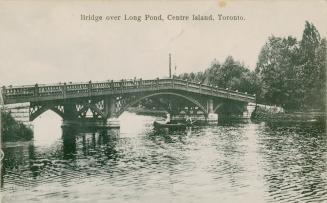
(70, 115)
(249, 108)
(212, 116)
(70, 111)
(110, 111)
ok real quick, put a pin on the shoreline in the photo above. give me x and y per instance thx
(304, 117)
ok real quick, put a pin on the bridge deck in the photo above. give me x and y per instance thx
(37, 93)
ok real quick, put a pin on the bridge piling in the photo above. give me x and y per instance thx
(110, 111)
(70, 111)
(212, 116)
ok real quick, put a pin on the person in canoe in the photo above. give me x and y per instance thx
(167, 121)
(169, 124)
(188, 119)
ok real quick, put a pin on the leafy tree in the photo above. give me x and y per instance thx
(320, 85)
(313, 67)
(292, 73)
(289, 73)
(309, 43)
(231, 74)
(277, 71)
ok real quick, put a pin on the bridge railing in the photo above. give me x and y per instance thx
(64, 90)
(52, 90)
(208, 88)
(18, 91)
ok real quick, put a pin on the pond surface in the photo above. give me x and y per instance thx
(234, 162)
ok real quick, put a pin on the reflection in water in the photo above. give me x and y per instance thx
(69, 143)
(232, 162)
(297, 163)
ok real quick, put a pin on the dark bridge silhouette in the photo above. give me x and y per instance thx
(108, 100)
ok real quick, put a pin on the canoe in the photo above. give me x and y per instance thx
(160, 124)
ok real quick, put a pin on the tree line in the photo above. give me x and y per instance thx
(289, 73)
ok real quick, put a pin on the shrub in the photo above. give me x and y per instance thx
(13, 130)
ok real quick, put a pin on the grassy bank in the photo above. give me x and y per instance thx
(13, 130)
(262, 114)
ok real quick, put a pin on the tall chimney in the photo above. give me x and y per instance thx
(169, 65)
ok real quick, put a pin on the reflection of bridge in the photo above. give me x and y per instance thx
(105, 101)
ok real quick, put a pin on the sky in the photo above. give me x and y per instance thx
(47, 42)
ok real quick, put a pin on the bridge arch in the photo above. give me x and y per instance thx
(192, 100)
(39, 111)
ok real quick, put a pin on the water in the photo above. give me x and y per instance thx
(236, 162)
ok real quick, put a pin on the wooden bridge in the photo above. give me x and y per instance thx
(108, 100)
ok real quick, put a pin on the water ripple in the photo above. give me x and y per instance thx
(229, 163)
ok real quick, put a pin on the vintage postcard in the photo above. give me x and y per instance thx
(163, 101)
